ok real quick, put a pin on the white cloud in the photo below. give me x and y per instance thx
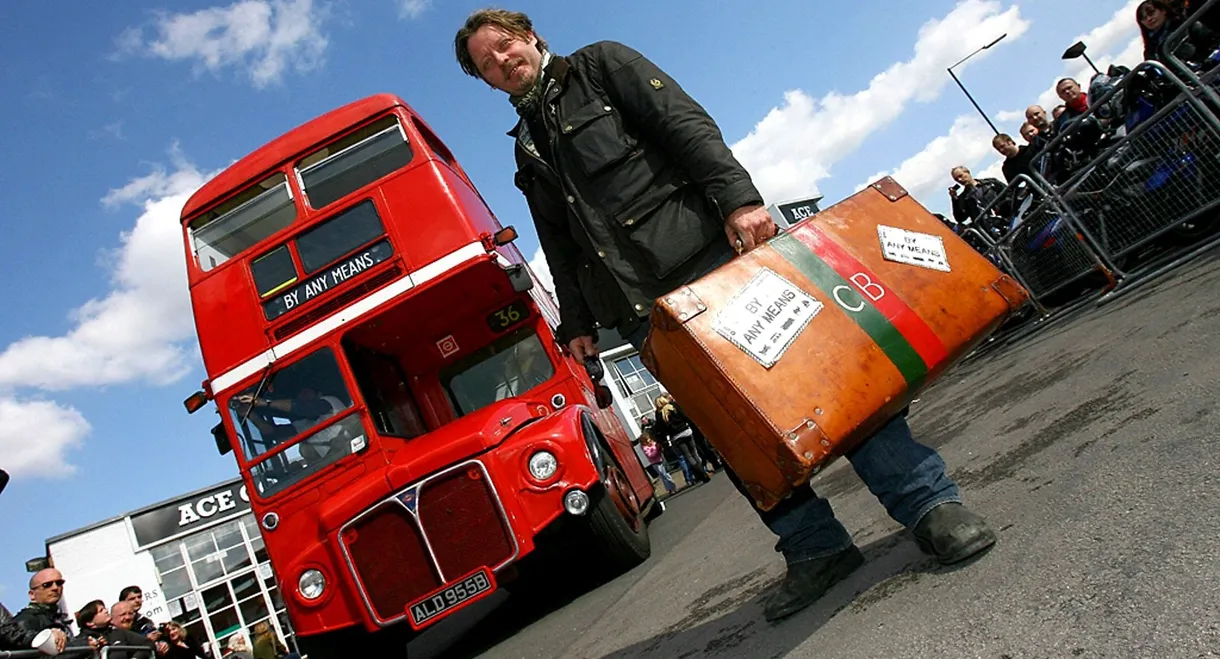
(542, 270)
(36, 434)
(925, 175)
(412, 8)
(797, 143)
(265, 38)
(137, 331)
(968, 142)
(1120, 31)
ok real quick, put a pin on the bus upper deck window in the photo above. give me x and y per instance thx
(354, 161)
(242, 222)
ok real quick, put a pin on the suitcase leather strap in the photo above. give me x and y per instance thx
(901, 334)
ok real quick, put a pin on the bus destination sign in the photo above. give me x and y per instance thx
(329, 278)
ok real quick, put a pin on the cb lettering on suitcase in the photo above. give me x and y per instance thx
(901, 334)
(867, 286)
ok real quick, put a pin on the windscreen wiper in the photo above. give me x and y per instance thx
(258, 391)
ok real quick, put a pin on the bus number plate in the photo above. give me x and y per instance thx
(450, 598)
(502, 319)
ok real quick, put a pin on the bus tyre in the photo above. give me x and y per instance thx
(622, 543)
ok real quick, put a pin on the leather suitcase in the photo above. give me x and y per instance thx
(791, 355)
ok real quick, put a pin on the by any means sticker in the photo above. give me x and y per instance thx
(912, 248)
(766, 316)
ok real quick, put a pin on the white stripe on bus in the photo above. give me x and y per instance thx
(347, 315)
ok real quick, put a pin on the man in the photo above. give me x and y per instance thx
(634, 193)
(134, 597)
(1036, 116)
(1075, 101)
(46, 590)
(1017, 159)
(303, 411)
(975, 195)
(1029, 132)
(122, 616)
(97, 629)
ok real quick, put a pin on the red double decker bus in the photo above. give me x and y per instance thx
(389, 381)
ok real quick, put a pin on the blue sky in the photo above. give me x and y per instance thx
(115, 112)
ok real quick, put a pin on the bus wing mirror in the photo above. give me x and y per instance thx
(195, 402)
(504, 236)
(519, 277)
(222, 439)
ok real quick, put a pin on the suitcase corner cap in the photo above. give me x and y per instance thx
(682, 305)
(890, 188)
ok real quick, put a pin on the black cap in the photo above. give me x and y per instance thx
(3, 479)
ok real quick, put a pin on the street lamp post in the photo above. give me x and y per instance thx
(1077, 50)
(963, 87)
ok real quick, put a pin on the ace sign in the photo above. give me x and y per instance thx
(189, 513)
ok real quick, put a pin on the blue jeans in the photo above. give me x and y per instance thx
(907, 477)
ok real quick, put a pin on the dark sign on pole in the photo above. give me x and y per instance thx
(788, 213)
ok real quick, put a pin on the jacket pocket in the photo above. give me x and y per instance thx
(595, 137)
(668, 225)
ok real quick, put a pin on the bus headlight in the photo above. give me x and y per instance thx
(543, 465)
(311, 584)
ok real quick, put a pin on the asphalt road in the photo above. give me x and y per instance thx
(1091, 447)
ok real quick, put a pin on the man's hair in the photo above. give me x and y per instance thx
(1063, 80)
(1001, 138)
(129, 590)
(961, 167)
(511, 22)
(85, 616)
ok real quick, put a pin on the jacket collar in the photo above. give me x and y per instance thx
(558, 69)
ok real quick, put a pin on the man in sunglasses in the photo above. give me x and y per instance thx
(46, 590)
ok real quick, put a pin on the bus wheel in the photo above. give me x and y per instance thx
(616, 523)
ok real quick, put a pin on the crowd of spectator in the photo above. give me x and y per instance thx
(1157, 19)
(121, 626)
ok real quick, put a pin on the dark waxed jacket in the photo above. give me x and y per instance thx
(11, 634)
(35, 618)
(115, 636)
(642, 182)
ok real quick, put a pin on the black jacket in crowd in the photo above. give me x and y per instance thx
(665, 432)
(11, 633)
(629, 181)
(31, 620)
(1022, 163)
(971, 201)
(115, 636)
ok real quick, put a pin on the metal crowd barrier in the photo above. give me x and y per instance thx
(1160, 175)
(1045, 251)
(79, 653)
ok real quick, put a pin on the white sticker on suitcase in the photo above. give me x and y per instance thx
(921, 249)
(766, 316)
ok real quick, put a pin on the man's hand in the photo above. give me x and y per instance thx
(747, 228)
(581, 347)
(61, 639)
